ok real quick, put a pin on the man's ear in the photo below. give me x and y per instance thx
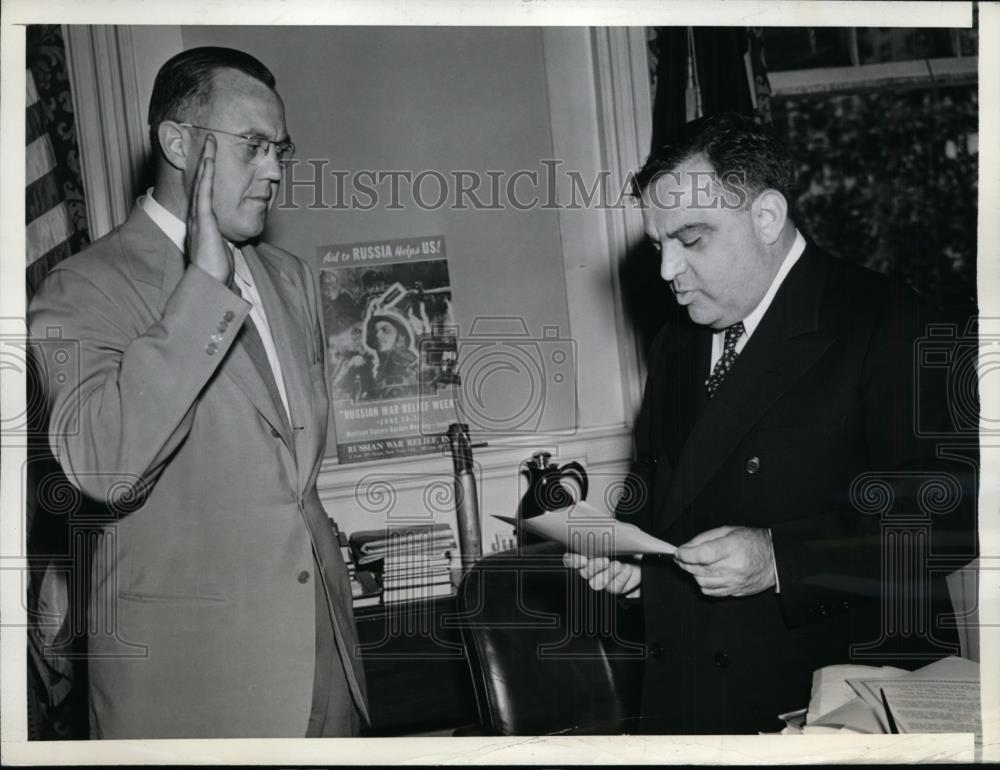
(173, 144)
(769, 212)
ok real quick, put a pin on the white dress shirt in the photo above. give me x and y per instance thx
(176, 231)
(752, 321)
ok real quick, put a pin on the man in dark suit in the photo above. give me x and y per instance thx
(219, 603)
(785, 445)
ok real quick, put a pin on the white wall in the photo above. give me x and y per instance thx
(477, 99)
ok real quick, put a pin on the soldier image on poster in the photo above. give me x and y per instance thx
(391, 344)
(375, 342)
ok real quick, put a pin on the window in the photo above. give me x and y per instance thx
(883, 124)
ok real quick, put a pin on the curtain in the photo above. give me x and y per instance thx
(694, 71)
(703, 70)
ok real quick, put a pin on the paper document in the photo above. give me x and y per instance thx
(934, 705)
(830, 689)
(940, 698)
(855, 715)
(582, 528)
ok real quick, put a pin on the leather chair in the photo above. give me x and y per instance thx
(547, 654)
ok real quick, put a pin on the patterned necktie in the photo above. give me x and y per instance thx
(725, 363)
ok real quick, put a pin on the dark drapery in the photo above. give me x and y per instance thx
(719, 70)
(719, 55)
(56, 227)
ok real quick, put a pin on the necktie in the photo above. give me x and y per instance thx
(250, 337)
(725, 363)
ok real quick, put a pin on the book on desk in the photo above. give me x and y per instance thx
(399, 564)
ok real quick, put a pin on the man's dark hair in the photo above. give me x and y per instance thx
(745, 156)
(184, 83)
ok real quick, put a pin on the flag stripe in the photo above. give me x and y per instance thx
(47, 231)
(35, 273)
(39, 159)
(34, 119)
(41, 195)
(32, 92)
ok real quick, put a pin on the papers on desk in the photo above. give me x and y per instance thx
(831, 691)
(940, 697)
(582, 528)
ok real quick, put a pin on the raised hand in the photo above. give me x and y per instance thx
(205, 246)
(729, 561)
(415, 323)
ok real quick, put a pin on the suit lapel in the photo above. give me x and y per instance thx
(156, 262)
(251, 342)
(782, 349)
(685, 396)
(281, 300)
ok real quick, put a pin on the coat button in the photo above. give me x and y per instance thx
(721, 659)
(210, 348)
(275, 433)
(228, 316)
(656, 650)
(304, 576)
(753, 465)
(221, 328)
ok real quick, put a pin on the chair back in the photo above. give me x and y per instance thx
(547, 654)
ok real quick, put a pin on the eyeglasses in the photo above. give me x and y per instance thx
(255, 148)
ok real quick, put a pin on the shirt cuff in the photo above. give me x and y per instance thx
(774, 564)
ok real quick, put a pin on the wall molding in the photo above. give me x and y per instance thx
(918, 73)
(592, 448)
(625, 122)
(421, 489)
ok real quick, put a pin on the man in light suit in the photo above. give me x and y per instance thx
(219, 604)
(788, 445)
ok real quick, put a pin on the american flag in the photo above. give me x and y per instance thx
(55, 214)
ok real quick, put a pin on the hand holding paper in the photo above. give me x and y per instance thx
(584, 529)
(729, 561)
(603, 574)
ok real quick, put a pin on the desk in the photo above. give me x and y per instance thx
(418, 678)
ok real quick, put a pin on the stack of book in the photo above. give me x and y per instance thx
(409, 563)
(365, 589)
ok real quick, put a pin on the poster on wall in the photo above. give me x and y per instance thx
(391, 346)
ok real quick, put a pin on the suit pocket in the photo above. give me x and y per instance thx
(817, 433)
(161, 598)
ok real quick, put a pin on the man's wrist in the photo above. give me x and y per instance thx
(774, 563)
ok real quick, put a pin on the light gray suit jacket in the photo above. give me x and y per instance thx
(202, 607)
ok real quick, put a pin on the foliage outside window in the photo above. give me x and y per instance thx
(887, 175)
(889, 180)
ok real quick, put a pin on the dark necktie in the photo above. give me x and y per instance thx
(725, 363)
(250, 336)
